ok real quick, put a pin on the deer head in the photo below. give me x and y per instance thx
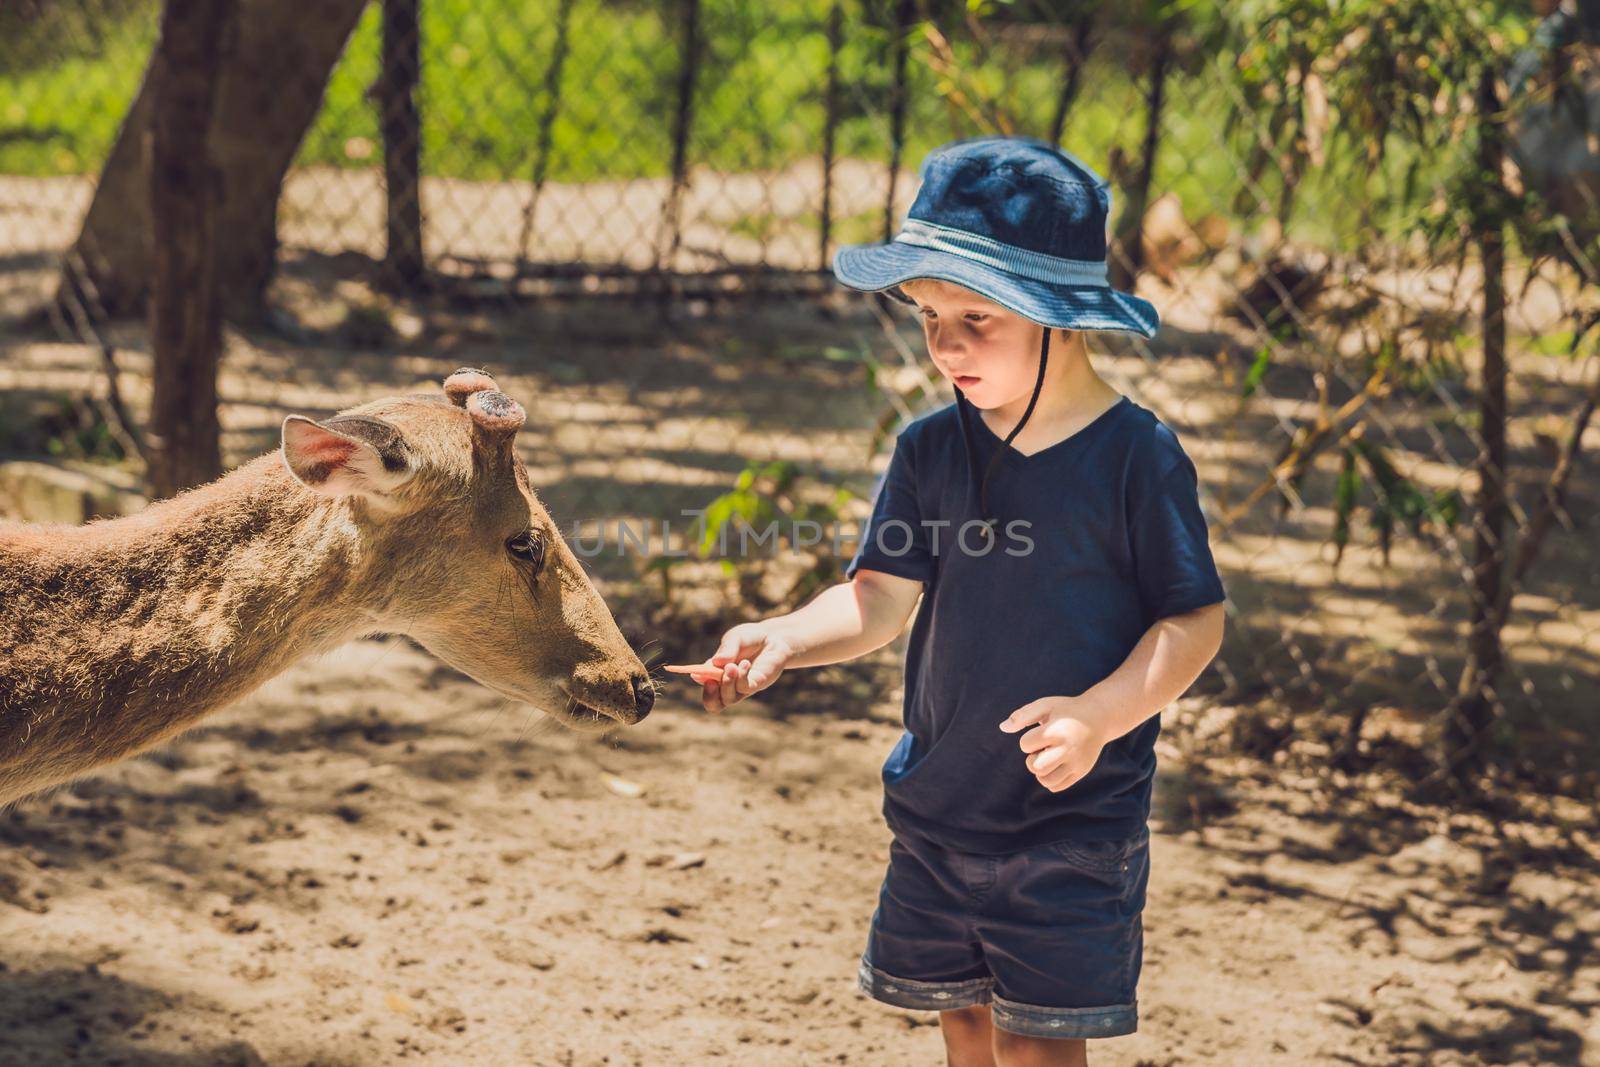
(470, 563)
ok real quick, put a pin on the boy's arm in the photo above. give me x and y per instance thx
(842, 622)
(1165, 662)
(1161, 667)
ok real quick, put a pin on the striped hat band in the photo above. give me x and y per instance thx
(986, 250)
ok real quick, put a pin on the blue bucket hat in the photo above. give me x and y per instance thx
(1021, 222)
(1016, 219)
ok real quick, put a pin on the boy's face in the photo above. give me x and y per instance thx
(991, 353)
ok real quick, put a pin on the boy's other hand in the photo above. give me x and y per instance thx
(749, 659)
(1063, 744)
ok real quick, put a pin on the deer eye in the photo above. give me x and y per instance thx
(527, 546)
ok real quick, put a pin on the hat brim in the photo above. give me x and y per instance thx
(873, 268)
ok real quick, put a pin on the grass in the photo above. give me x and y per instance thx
(758, 101)
(65, 86)
(859, 228)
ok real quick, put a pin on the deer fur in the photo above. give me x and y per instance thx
(408, 515)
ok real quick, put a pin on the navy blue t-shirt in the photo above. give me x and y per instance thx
(1097, 537)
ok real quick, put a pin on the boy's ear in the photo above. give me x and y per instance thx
(346, 455)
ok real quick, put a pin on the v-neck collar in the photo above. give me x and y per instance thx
(1016, 458)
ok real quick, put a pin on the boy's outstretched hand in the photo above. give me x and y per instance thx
(750, 658)
(1063, 744)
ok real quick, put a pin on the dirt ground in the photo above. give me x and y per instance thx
(373, 860)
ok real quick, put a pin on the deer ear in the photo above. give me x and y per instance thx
(346, 455)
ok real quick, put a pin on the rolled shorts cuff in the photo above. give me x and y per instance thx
(927, 996)
(1031, 1021)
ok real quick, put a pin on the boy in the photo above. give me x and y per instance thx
(1043, 649)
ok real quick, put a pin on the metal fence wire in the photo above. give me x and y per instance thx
(1369, 227)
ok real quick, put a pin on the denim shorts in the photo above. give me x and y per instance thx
(1050, 937)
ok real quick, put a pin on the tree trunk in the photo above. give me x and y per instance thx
(900, 45)
(266, 97)
(1076, 59)
(830, 130)
(1129, 260)
(185, 328)
(544, 143)
(1474, 705)
(402, 144)
(670, 228)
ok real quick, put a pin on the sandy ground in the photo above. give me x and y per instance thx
(373, 860)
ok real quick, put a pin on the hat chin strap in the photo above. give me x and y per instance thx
(983, 484)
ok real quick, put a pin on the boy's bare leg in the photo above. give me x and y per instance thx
(971, 1040)
(968, 1036)
(1014, 1050)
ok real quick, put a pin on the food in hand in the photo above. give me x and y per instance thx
(704, 673)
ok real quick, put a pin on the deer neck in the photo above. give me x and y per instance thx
(119, 634)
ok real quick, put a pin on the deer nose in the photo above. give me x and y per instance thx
(644, 695)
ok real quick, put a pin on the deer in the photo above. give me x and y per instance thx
(410, 515)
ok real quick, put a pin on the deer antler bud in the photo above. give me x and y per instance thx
(465, 381)
(494, 413)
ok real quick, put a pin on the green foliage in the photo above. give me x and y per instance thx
(756, 506)
(1349, 120)
(35, 34)
(61, 425)
(1377, 100)
(67, 75)
(1258, 371)
(766, 506)
(1575, 344)
(1394, 498)
(1418, 377)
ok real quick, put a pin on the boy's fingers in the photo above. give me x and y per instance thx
(1043, 761)
(1033, 740)
(741, 680)
(1059, 780)
(731, 673)
(764, 669)
(730, 648)
(1025, 716)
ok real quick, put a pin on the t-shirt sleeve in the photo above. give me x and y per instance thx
(1171, 554)
(893, 540)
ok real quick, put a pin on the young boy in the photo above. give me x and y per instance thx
(1045, 648)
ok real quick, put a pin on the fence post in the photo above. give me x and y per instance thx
(1129, 260)
(1473, 708)
(682, 122)
(1078, 57)
(897, 107)
(547, 121)
(401, 127)
(185, 190)
(830, 123)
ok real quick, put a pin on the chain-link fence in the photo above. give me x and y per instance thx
(1370, 229)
